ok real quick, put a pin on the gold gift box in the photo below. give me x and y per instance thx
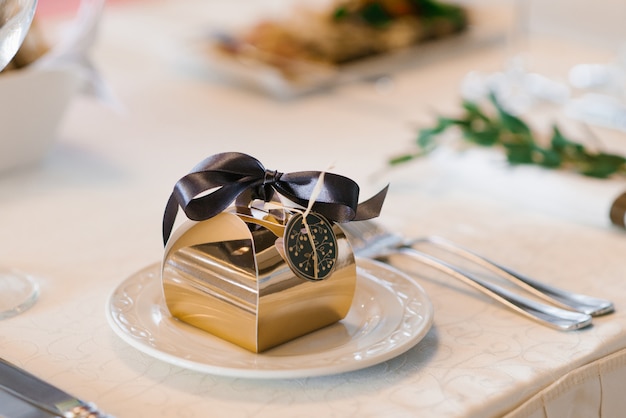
(227, 275)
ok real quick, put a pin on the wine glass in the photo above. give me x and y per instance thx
(15, 19)
(18, 291)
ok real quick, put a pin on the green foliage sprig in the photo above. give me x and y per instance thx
(513, 135)
(381, 13)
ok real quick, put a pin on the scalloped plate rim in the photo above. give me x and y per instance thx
(367, 270)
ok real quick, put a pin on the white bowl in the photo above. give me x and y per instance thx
(32, 104)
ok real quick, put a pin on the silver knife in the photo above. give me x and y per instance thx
(12, 407)
(39, 394)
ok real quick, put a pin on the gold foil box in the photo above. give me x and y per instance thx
(228, 275)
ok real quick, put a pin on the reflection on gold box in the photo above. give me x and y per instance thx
(227, 275)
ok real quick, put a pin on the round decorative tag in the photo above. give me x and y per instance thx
(311, 246)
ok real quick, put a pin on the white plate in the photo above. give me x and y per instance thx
(390, 314)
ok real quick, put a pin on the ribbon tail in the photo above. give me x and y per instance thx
(371, 208)
(171, 210)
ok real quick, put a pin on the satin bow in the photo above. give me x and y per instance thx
(219, 180)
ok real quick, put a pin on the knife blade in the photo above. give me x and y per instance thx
(40, 394)
(12, 407)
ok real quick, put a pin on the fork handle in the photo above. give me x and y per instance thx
(566, 299)
(552, 316)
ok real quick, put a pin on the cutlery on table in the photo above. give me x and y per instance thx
(560, 297)
(42, 396)
(368, 239)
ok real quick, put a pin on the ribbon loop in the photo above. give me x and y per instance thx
(221, 179)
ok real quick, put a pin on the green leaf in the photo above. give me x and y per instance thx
(602, 165)
(519, 153)
(444, 123)
(432, 8)
(474, 111)
(487, 137)
(375, 14)
(563, 145)
(427, 136)
(516, 138)
(510, 122)
(402, 159)
(547, 157)
(340, 12)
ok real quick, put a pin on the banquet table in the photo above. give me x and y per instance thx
(89, 216)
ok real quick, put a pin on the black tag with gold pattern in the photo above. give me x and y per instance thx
(310, 262)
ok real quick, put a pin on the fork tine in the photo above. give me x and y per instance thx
(552, 316)
(369, 239)
(566, 299)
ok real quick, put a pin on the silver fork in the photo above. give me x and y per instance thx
(560, 297)
(370, 240)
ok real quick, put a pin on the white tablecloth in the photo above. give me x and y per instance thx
(90, 215)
